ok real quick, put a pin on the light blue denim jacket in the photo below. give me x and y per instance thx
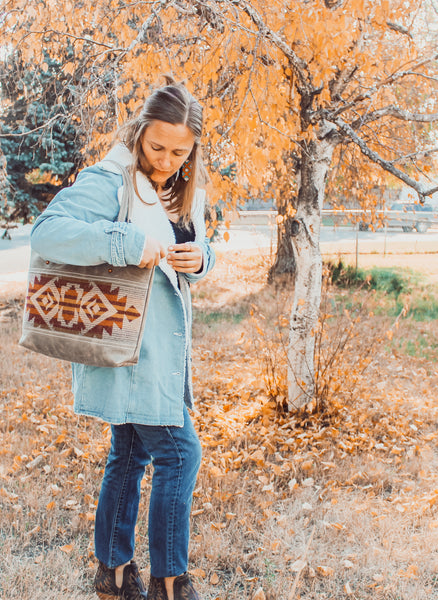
(78, 228)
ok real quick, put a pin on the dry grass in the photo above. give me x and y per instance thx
(336, 504)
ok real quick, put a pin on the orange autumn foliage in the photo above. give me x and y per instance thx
(250, 63)
(289, 89)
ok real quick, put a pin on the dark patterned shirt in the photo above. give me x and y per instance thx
(183, 233)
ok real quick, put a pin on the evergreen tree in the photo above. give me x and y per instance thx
(43, 148)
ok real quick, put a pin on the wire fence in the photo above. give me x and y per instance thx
(351, 232)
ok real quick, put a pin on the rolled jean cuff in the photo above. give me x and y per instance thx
(118, 232)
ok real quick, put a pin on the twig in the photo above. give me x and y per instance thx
(386, 165)
(295, 583)
(43, 126)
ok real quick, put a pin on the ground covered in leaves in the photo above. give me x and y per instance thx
(337, 501)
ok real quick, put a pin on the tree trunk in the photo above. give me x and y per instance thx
(284, 264)
(314, 166)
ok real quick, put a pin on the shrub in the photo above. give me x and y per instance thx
(389, 280)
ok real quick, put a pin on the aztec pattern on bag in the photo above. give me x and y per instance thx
(94, 315)
(84, 308)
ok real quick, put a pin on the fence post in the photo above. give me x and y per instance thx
(357, 246)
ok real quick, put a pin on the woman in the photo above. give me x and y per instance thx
(146, 404)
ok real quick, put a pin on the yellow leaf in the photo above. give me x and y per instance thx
(67, 548)
(259, 595)
(88, 516)
(69, 68)
(198, 573)
(214, 579)
(410, 573)
(216, 472)
(326, 571)
(226, 236)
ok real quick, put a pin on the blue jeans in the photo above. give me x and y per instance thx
(175, 453)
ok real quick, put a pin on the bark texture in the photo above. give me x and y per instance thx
(284, 264)
(308, 276)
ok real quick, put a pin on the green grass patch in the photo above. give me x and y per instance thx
(418, 346)
(398, 288)
(217, 317)
(390, 280)
(339, 221)
(422, 308)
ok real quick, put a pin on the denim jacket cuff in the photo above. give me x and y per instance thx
(209, 260)
(126, 244)
(117, 231)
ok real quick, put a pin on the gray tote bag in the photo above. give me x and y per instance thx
(92, 315)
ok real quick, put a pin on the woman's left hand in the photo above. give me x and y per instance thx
(186, 258)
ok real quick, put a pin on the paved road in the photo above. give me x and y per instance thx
(343, 238)
(14, 253)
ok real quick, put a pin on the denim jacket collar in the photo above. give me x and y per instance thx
(123, 156)
(157, 223)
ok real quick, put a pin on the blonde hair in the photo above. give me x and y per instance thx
(173, 104)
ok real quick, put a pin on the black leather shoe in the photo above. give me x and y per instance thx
(182, 589)
(132, 588)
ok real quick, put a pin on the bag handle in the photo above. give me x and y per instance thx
(126, 204)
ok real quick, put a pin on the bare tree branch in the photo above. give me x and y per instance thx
(248, 88)
(141, 37)
(389, 80)
(424, 75)
(264, 122)
(397, 113)
(385, 164)
(399, 28)
(65, 34)
(333, 4)
(142, 34)
(299, 65)
(54, 119)
(419, 154)
(181, 9)
(341, 81)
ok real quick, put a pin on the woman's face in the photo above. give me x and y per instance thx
(166, 147)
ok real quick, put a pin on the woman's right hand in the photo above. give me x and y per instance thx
(153, 252)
